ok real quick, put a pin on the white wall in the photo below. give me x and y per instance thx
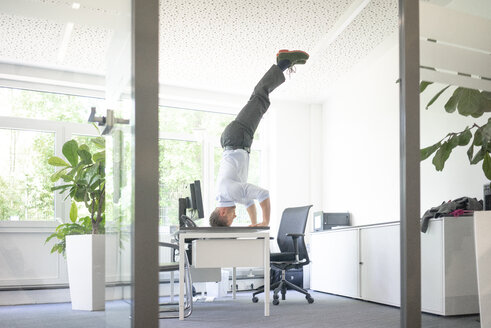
(361, 146)
(295, 157)
(361, 143)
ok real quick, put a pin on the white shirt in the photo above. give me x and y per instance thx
(232, 186)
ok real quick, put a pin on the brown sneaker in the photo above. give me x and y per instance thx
(294, 56)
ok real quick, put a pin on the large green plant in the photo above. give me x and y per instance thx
(82, 173)
(467, 102)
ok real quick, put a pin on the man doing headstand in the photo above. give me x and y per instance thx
(236, 140)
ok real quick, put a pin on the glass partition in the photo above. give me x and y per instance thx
(455, 176)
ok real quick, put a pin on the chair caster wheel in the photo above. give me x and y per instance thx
(276, 302)
(309, 299)
(255, 299)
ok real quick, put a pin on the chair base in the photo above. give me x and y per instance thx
(282, 286)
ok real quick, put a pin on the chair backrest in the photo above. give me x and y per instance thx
(293, 220)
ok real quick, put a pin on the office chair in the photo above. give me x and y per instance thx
(293, 252)
(173, 307)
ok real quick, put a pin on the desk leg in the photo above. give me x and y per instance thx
(182, 254)
(234, 282)
(266, 277)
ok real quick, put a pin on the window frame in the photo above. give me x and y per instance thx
(62, 131)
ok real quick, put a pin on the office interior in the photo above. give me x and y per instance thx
(331, 137)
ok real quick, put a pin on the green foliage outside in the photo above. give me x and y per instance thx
(179, 165)
(24, 172)
(467, 102)
(82, 176)
(24, 175)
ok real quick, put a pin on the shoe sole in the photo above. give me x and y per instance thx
(292, 51)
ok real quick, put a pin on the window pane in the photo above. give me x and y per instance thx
(46, 106)
(25, 175)
(186, 121)
(180, 165)
(254, 178)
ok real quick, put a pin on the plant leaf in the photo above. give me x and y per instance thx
(73, 212)
(56, 161)
(451, 104)
(485, 101)
(453, 142)
(465, 137)
(423, 85)
(100, 156)
(85, 156)
(426, 152)
(84, 147)
(486, 166)
(486, 133)
(435, 97)
(56, 176)
(441, 156)
(477, 137)
(470, 153)
(100, 142)
(70, 151)
(479, 157)
(470, 102)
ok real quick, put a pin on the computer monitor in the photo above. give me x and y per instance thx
(192, 204)
(197, 198)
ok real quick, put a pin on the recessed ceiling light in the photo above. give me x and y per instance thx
(75, 5)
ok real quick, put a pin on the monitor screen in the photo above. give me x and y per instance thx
(197, 198)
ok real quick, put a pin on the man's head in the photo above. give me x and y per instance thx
(222, 216)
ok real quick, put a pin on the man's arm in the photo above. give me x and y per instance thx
(251, 210)
(266, 208)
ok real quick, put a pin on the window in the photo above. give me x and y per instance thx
(180, 163)
(46, 106)
(31, 125)
(25, 175)
(190, 150)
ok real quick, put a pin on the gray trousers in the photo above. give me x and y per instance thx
(240, 132)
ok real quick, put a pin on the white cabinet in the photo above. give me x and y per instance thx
(379, 264)
(332, 266)
(448, 267)
(364, 262)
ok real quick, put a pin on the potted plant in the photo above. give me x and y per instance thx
(82, 177)
(467, 102)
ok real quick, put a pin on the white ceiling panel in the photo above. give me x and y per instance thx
(29, 40)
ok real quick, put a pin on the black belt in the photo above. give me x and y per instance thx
(247, 149)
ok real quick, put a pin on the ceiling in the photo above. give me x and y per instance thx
(221, 45)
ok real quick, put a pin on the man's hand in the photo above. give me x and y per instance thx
(262, 224)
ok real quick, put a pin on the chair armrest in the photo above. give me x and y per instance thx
(295, 243)
(295, 235)
(174, 246)
(170, 245)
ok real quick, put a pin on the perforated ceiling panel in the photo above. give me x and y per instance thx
(224, 45)
(375, 23)
(228, 45)
(87, 48)
(29, 40)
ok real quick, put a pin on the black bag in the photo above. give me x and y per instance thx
(462, 203)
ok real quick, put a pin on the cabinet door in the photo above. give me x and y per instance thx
(380, 264)
(334, 267)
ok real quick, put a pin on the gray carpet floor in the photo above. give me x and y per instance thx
(327, 311)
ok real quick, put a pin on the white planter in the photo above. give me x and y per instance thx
(86, 271)
(482, 230)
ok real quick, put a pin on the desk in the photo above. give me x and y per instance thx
(237, 247)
